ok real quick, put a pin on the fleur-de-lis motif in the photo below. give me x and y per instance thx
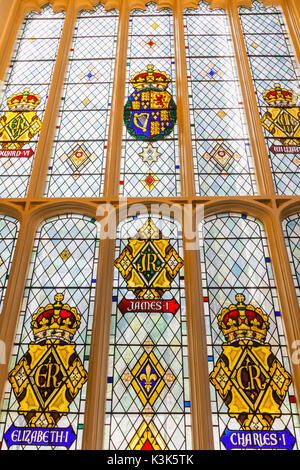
(148, 377)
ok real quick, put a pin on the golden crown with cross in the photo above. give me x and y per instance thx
(55, 321)
(150, 78)
(243, 322)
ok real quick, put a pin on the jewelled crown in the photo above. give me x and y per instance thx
(279, 97)
(55, 321)
(25, 101)
(241, 321)
(150, 78)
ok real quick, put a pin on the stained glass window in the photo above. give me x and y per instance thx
(45, 396)
(78, 156)
(251, 392)
(276, 80)
(9, 229)
(150, 159)
(148, 403)
(291, 227)
(24, 99)
(223, 163)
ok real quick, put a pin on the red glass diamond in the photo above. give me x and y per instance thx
(149, 180)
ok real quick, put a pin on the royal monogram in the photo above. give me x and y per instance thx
(149, 263)
(20, 124)
(248, 376)
(49, 376)
(282, 119)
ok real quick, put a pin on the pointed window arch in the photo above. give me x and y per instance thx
(148, 403)
(276, 79)
(223, 162)
(78, 158)
(24, 99)
(247, 354)
(49, 366)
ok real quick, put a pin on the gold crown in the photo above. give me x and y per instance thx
(55, 321)
(150, 78)
(280, 97)
(25, 101)
(241, 321)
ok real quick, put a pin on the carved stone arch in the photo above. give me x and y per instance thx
(216, 4)
(36, 5)
(12, 210)
(288, 209)
(44, 211)
(252, 208)
(91, 4)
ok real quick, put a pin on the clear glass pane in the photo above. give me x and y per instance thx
(77, 165)
(223, 163)
(276, 80)
(24, 99)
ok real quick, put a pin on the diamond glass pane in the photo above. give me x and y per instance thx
(235, 260)
(291, 228)
(30, 70)
(78, 156)
(150, 168)
(148, 403)
(276, 80)
(9, 229)
(64, 261)
(223, 164)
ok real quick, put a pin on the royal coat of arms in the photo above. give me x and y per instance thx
(19, 125)
(282, 119)
(248, 377)
(48, 377)
(150, 112)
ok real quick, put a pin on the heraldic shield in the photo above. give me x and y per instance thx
(21, 123)
(150, 112)
(49, 376)
(248, 377)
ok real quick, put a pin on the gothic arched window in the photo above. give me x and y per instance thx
(150, 155)
(276, 78)
(77, 165)
(148, 402)
(9, 230)
(291, 228)
(49, 365)
(251, 387)
(25, 94)
(223, 163)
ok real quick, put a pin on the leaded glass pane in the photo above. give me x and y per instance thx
(9, 229)
(78, 156)
(223, 164)
(241, 311)
(25, 94)
(148, 403)
(150, 163)
(291, 228)
(276, 80)
(50, 361)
